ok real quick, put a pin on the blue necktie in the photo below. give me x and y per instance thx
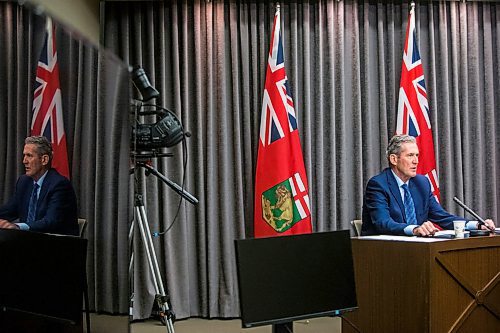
(32, 205)
(409, 206)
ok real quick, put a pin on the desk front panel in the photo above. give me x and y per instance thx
(442, 286)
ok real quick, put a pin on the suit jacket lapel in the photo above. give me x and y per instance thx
(26, 197)
(393, 187)
(45, 186)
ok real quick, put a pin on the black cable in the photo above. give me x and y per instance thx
(184, 150)
(185, 153)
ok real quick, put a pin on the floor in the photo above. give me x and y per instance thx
(101, 323)
(197, 325)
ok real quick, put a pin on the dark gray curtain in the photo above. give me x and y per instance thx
(343, 60)
(95, 101)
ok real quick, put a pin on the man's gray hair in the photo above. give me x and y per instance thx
(396, 142)
(43, 145)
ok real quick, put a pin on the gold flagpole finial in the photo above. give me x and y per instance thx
(277, 5)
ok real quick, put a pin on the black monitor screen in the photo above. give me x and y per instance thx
(282, 279)
(42, 274)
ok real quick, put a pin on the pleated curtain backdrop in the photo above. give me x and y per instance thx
(343, 60)
(95, 99)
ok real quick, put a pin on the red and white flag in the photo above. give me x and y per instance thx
(47, 118)
(413, 107)
(281, 191)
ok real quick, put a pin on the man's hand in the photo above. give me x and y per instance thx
(426, 229)
(4, 224)
(488, 225)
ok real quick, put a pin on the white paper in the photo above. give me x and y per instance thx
(405, 238)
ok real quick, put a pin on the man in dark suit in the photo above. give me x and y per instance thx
(400, 202)
(43, 201)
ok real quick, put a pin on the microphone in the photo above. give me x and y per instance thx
(140, 80)
(473, 213)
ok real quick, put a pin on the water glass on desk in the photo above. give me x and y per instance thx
(459, 227)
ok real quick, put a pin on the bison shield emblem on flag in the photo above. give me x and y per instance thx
(278, 207)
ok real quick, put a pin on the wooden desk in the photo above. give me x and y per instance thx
(439, 286)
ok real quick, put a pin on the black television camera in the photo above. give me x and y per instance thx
(166, 132)
(146, 139)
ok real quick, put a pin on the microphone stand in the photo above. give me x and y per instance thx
(480, 223)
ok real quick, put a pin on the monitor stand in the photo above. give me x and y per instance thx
(283, 328)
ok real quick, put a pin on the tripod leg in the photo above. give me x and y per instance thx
(148, 246)
(153, 265)
(153, 259)
(169, 316)
(131, 262)
(131, 271)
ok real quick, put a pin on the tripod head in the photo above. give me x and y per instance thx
(145, 156)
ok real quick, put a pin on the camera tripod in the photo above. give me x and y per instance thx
(167, 316)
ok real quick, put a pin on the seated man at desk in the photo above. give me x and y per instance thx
(399, 202)
(44, 200)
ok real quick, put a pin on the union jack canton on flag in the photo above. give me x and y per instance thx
(413, 107)
(47, 117)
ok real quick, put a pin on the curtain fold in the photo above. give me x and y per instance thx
(95, 100)
(343, 60)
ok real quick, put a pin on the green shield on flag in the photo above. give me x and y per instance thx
(278, 207)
